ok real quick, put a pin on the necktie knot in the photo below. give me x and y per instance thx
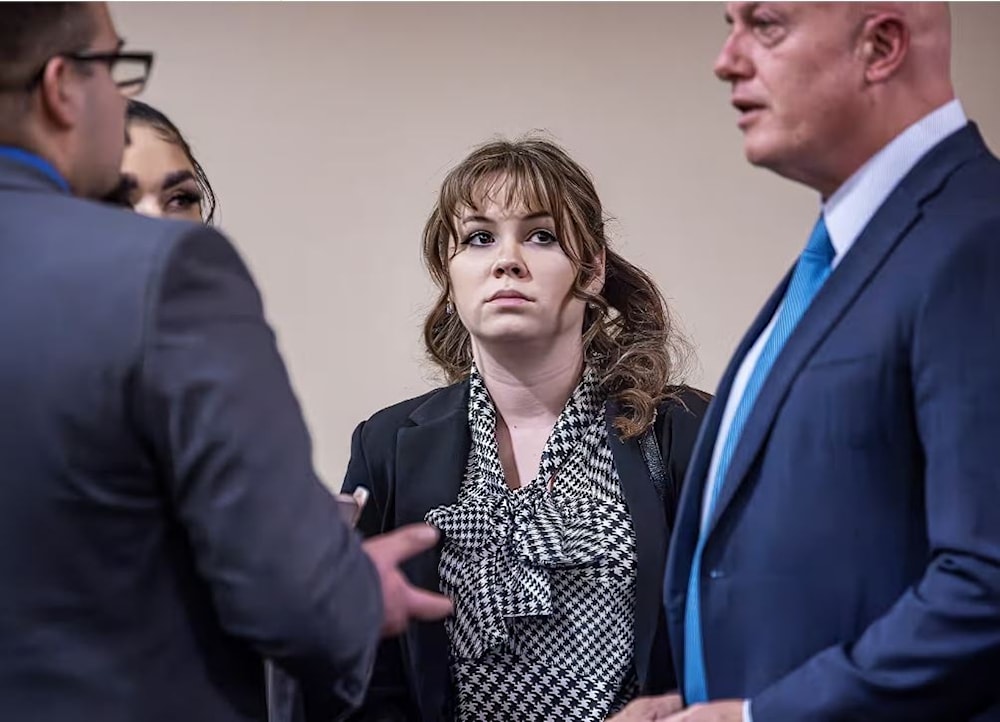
(819, 247)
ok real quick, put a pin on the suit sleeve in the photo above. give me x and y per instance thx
(284, 572)
(934, 654)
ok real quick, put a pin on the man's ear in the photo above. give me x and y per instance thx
(885, 41)
(62, 92)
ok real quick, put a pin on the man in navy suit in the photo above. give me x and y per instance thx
(837, 551)
(161, 526)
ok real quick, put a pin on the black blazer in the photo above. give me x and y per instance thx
(412, 458)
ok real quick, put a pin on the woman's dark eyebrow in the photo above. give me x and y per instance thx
(176, 178)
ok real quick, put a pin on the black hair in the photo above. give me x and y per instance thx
(30, 34)
(139, 112)
(33, 32)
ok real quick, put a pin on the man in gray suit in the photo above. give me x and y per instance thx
(161, 525)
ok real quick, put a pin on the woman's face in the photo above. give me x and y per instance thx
(159, 178)
(510, 278)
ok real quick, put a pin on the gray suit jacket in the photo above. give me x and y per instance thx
(161, 525)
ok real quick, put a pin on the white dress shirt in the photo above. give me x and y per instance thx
(846, 212)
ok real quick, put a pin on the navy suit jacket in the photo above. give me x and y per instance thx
(161, 526)
(852, 565)
(412, 457)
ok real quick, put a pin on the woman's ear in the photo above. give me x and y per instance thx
(596, 283)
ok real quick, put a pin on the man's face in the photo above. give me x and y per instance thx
(101, 132)
(797, 83)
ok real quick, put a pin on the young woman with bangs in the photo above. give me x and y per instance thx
(551, 463)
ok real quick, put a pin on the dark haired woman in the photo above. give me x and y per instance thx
(160, 176)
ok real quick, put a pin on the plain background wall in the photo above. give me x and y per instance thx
(326, 128)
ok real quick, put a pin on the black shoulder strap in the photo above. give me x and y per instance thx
(664, 484)
(654, 461)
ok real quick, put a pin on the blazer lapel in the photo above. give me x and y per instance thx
(687, 525)
(430, 463)
(891, 222)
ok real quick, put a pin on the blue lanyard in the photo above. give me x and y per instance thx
(36, 162)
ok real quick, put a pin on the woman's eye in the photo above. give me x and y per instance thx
(183, 201)
(479, 238)
(543, 238)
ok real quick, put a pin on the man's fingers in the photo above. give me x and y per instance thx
(427, 606)
(679, 715)
(668, 704)
(662, 707)
(646, 709)
(403, 543)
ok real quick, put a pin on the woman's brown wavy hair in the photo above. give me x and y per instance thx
(628, 336)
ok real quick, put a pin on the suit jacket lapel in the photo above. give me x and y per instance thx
(430, 463)
(701, 458)
(687, 526)
(893, 220)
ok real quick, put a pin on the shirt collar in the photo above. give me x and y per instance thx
(853, 205)
(35, 161)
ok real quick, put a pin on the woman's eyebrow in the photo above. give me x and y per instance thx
(176, 178)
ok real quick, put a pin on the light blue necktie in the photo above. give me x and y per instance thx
(811, 271)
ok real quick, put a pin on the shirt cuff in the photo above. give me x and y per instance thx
(747, 714)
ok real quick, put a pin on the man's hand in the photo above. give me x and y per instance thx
(401, 601)
(729, 710)
(649, 709)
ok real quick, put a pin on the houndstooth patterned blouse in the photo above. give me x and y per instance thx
(543, 580)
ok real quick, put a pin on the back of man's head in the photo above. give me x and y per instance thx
(31, 33)
(58, 97)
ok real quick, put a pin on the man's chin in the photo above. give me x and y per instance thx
(761, 153)
(757, 153)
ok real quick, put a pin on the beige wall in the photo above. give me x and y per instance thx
(326, 128)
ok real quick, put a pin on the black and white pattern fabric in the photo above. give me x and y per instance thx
(542, 577)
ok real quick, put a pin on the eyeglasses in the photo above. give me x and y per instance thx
(129, 71)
